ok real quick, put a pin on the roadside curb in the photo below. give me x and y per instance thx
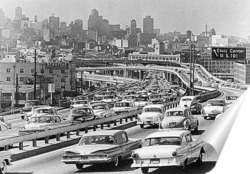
(42, 150)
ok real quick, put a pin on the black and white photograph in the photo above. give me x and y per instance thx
(124, 86)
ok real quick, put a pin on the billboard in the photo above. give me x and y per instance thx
(228, 53)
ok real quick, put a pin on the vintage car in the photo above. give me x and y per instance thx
(167, 148)
(151, 115)
(213, 107)
(28, 107)
(48, 110)
(79, 103)
(157, 99)
(81, 114)
(180, 117)
(129, 97)
(105, 146)
(192, 103)
(5, 160)
(230, 99)
(102, 110)
(80, 97)
(124, 106)
(109, 99)
(27, 115)
(41, 123)
(141, 101)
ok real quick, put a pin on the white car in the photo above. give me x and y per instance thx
(151, 115)
(44, 111)
(124, 106)
(79, 103)
(167, 148)
(140, 102)
(109, 99)
(102, 110)
(26, 115)
(230, 100)
(213, 107)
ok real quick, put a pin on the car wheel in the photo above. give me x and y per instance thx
(199, 160)
(3, 167)
(196, 129)
(79, 166)
(144, 170)
(205, 118)
(142, 126)
(116, 161)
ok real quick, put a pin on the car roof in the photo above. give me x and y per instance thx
(177, 109)
(46, 107)
(98, 104)
(104, 132)
(155, 105)
(80, 107)
(168, 133)
(47, 115)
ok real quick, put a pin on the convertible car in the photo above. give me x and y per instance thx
(106, 146)
(167, 148)
(180, 117)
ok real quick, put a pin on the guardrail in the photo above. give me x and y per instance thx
(73, 128)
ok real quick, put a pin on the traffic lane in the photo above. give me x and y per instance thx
(16, 120)
(51, 162)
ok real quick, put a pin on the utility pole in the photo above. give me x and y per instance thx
(35, 78)
(17, 91)
(191, 67)
(81, 81)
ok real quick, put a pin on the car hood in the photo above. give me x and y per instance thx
(36, 126)
(157, 151)
(88, 149)
(178, 120)
(140, 103)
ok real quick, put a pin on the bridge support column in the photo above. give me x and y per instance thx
(140, 74)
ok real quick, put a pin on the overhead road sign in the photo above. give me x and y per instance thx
(228, 53)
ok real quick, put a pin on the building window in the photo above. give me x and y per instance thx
(50, 70)
(8, 70)
(32, 71)
(63, 71)
(62, 79)
(21, 70)
(21, 79)
(8, 79)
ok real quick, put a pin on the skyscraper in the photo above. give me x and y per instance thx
(148, 24)
(18, 13)
(95, 22)
(133, 27)
(2, 19)
(54, 22)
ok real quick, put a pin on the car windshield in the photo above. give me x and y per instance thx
(81, 98)
(231, 97)
(98, 98)
(129, 97)
(186, 99)
(81, 102)
(45, 119)
(98, 107)
(46, 111)
(121, 104)
(155, 96)
(152, 110)
(97, 139)
(108, 97)
(174, 113)
(162, 141)
(215, 103)
(81, 111)
(141, 99)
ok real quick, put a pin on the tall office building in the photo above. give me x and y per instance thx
(2, 19)
(95, 22)
(133, 27)
(54, 22)
(148, 25)
(18, 13)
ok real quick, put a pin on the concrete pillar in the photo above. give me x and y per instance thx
(140, 74)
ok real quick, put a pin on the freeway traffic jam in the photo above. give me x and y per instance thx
(173, 117)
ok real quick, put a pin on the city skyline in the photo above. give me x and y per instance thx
(229, 18)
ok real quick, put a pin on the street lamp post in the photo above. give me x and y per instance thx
(35, 78)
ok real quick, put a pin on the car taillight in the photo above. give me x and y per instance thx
(134, 155)
(174, 154)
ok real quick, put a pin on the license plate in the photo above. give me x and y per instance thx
(148, 122)
(172, 124)
(155, 161)
(148, 118)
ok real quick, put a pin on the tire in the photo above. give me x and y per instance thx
(142, 126)
(199, 160)
(196, 129)
(3, 167)
(205, 118)
(116, 161)
(79, 166)
(144, 170)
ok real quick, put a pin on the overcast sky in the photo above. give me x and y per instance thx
(229, 17)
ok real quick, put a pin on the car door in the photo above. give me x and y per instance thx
(194, 149)
(191, 118)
